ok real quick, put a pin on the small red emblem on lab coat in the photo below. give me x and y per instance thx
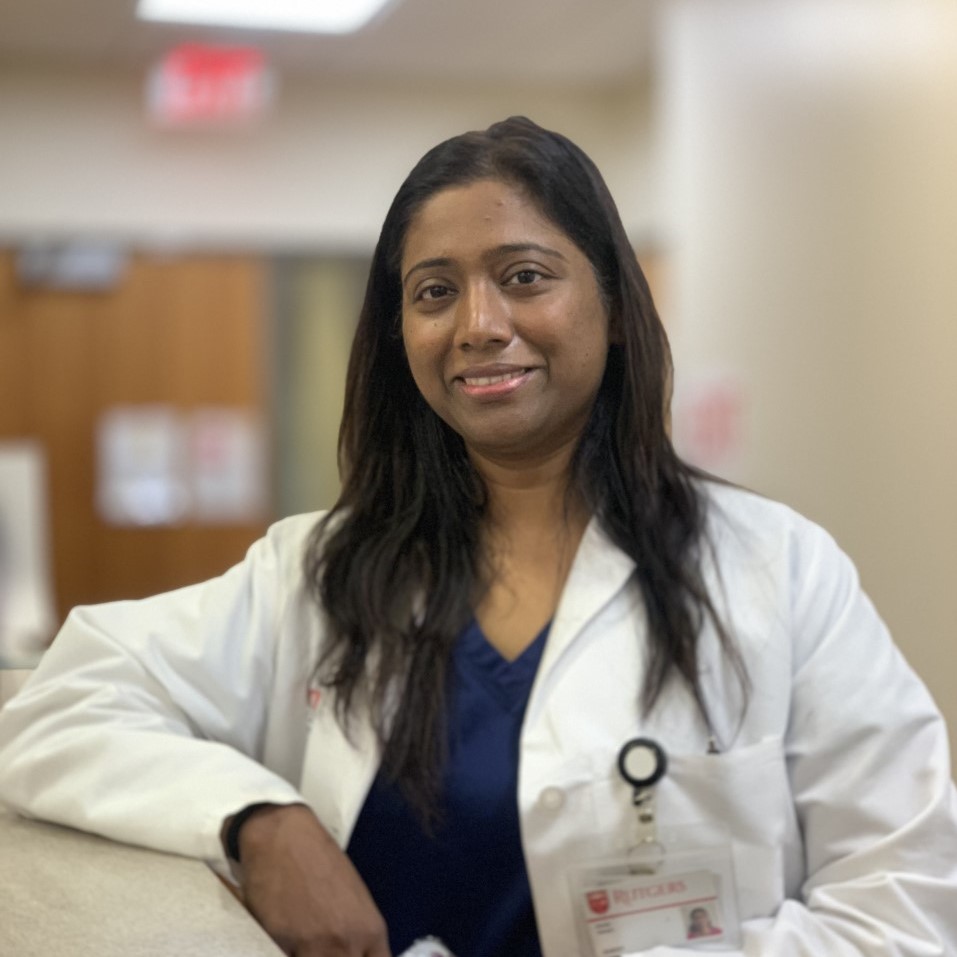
(598, 901)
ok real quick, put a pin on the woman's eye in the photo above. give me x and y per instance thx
(433, 292)
(524, 277)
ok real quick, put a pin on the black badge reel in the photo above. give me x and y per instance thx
(642, 763)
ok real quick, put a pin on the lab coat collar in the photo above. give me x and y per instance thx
(598, 573)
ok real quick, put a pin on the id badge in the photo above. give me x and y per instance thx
(679, 891)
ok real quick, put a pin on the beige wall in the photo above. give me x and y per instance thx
(813, 149)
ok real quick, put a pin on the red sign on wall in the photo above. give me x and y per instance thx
(196, 84)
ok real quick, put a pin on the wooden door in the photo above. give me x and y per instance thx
(183, 331)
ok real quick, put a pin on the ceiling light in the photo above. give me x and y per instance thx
(303, 16)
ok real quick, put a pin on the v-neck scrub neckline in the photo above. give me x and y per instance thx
(467, 883)
(510, 679)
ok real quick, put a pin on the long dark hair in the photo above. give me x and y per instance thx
(396, 562)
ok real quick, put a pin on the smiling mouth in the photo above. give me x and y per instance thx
(493, 379)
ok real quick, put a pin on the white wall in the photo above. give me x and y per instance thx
(80, 157)
(813, 150)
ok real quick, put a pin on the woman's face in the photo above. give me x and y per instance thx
(503, 323)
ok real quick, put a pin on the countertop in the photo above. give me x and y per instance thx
(65, 892)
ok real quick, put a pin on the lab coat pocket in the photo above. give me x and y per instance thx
(747, 789)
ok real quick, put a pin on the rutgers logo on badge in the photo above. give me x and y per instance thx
(597, 901)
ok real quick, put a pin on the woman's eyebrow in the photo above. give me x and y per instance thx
(505, 249)
(427, 264)
(527, 247)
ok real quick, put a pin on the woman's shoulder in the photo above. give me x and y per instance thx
(742, 521)
(293, 532)
(769, 555)
(286, 540)
(733, 506)
(275, 559)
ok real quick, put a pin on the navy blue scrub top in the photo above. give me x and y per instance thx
(467, 884)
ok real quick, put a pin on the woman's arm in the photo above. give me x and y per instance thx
(145, 720)
(868, 763)
(303, 889)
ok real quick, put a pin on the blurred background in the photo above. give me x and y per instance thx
(187, 212)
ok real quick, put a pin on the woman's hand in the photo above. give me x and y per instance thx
(303, 889)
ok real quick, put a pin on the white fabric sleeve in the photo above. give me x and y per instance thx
(869, 765)
(145, 720)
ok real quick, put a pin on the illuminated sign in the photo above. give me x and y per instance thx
(196, 85)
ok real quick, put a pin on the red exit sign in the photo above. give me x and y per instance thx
(196, 85)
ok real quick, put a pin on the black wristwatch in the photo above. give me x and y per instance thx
(231, 837)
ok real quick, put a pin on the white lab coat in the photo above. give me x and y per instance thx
(151, 721)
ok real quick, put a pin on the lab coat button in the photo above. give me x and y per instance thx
(552, 799)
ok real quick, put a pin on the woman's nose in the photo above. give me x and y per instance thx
(482, 317)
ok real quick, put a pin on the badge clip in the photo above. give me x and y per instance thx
(642, 764)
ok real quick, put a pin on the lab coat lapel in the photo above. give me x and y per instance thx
(599, 572)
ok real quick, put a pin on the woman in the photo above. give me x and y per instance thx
(415, 729)
(699, 924)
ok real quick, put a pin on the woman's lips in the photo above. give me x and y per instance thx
(492, 379)
(492, 385)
